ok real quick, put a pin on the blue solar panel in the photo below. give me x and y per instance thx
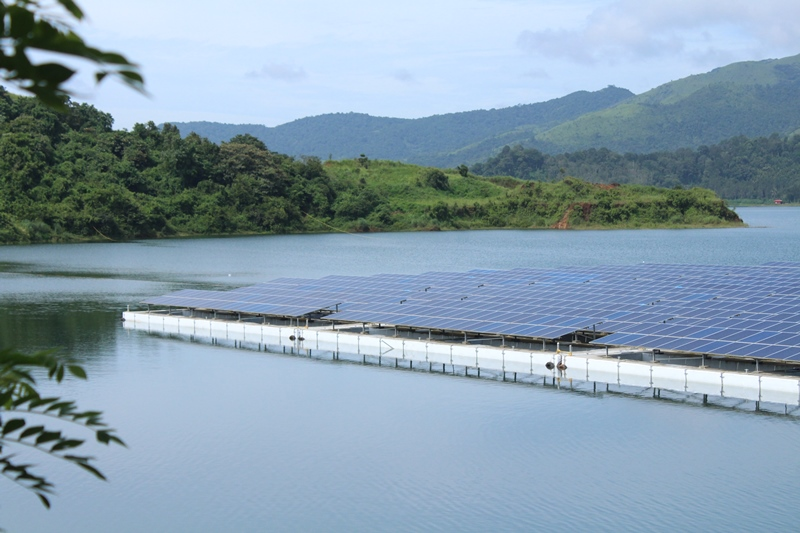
(745, 311)
(791, 354)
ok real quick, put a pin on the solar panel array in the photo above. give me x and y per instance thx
(747, 311)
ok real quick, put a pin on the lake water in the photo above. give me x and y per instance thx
(232, 440)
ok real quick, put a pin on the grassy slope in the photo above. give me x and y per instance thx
(473, 203)
(406, 203)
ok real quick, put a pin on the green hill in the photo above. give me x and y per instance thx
(754, 98)
(441, 140)
(70, 176)
(405, 197)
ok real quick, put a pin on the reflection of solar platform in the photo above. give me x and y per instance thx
(745, 311)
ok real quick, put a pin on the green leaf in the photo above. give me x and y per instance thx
(55, 74)
(47, 436)
(13, 425)
(91, 416)
(22, 21)
(43, 499)
(73, 8)
(106, 437)
(42, 401)
(5, 396)
(77, 371)
(89, 468)
(66, 444)
(131, 75)
(58, 406)
(112, 58)
(33, 430)
(83, 462)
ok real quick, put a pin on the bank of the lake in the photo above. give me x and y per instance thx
(236, 440)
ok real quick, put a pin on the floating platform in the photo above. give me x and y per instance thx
(556, 362)
(747, 314)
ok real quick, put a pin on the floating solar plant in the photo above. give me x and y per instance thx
(747, 311)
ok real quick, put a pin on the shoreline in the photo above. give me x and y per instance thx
(97, 239)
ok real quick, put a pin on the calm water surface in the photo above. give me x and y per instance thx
(230, 440)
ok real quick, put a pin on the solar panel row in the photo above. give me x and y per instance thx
(749, 311)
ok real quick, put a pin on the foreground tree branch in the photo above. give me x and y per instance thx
(38, 26)
(24, 413)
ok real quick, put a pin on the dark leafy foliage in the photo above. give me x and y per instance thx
(437, 179)
(30, 26)
(67, 175)
(24, 414)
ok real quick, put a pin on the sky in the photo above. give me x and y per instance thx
(268, 62)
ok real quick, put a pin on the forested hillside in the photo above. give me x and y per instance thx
(441, 140)
(761, 169)
(754, 99)
(70, 176)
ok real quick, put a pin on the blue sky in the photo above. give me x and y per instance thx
(263, 62)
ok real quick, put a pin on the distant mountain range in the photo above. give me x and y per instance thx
(754, 98)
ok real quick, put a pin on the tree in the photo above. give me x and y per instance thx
(238, 158)
(437, 179)
(33, 26)
(23, 413)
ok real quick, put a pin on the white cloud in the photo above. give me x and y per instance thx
(279, 71)
(537, 74)
(404, 76)
(633, 30)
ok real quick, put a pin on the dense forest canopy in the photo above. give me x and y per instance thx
(69, 174)
(760, 169)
